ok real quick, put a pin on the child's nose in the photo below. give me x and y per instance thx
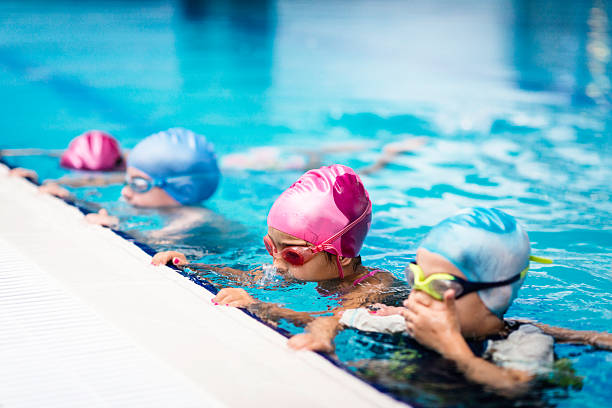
(278, 261)
(127, 192)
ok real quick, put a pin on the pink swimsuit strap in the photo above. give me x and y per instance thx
(372, 273)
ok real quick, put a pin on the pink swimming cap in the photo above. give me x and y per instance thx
(321, 204)
(93, 150)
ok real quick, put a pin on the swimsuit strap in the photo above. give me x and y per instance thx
(372, 273)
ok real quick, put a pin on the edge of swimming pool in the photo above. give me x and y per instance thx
(166, 326)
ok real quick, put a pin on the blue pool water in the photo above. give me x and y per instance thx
(513, 97)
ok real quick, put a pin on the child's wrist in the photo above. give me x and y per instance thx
(458, 351)
(258, 306)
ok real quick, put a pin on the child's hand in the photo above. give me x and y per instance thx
(234, 297)
(380, 309)
(102, 218)
(308, 341)
(434, 324)
(166, 257)
(54, 189)
(24, 173)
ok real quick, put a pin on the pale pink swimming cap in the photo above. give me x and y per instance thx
(93, 150)
(321, 204)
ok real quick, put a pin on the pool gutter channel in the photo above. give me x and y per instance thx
(227, 355)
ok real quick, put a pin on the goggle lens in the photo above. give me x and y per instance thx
(269, 246)
(436, 287)
(442, 285)
(139, 184)
(293, 257)
(410, 276)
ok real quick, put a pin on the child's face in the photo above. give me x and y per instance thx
(470, 309)
(318, 268)
(155, 197)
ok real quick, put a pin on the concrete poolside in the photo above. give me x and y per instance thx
(85, 320)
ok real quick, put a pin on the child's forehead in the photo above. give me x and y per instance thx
(280, 237)
(431, 262)
(134, 172)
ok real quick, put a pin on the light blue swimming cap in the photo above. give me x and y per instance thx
(487, 245)
(183, 160)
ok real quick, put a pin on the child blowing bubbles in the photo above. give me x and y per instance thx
(467, 273)
(315, 231)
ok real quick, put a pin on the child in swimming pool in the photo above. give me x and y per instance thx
(97, 151)
(467, 273)
(315, 231)
(93, 151)
(173, 168)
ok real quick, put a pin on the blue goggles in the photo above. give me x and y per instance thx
(141, 185)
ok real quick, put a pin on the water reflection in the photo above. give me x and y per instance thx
(562, 47)
(225, 61)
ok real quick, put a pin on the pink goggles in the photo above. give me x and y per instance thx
(299, 255)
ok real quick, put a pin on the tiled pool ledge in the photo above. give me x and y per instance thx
(86, 321)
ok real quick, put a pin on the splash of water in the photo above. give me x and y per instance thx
(270, 274)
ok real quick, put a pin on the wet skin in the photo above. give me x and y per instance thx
(155, 197)
(316, 269)
(473, 316)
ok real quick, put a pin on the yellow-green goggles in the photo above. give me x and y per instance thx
(436, 284)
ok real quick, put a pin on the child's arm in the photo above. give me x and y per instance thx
(91, 180)
(24, 173)
(237, 297)
(238, 276)
(54, 189)
(435, 325)
(600, 340)
(390, 151)
(320, 333)
(31, 152)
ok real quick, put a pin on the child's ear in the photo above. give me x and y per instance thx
(344, 261)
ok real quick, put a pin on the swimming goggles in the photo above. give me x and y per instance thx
(436, 284)
(141, 185)
(299, 255)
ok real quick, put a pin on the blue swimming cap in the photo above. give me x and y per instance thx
(185, 161)
(487, 245)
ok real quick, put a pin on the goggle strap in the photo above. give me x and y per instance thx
(340, 271)
(540, 259)
(343, 230)
(487, 285)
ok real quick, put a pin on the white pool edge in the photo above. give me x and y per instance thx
(208, 355)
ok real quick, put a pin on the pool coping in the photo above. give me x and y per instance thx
(291, 376)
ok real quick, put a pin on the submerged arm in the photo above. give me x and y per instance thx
(91, 180)
(238, 276)
(505, 381)
(237, 297)
(319, 335)
(597, 339)
(179, 259)
(274, 312)
(390, 151)
(31, 152)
